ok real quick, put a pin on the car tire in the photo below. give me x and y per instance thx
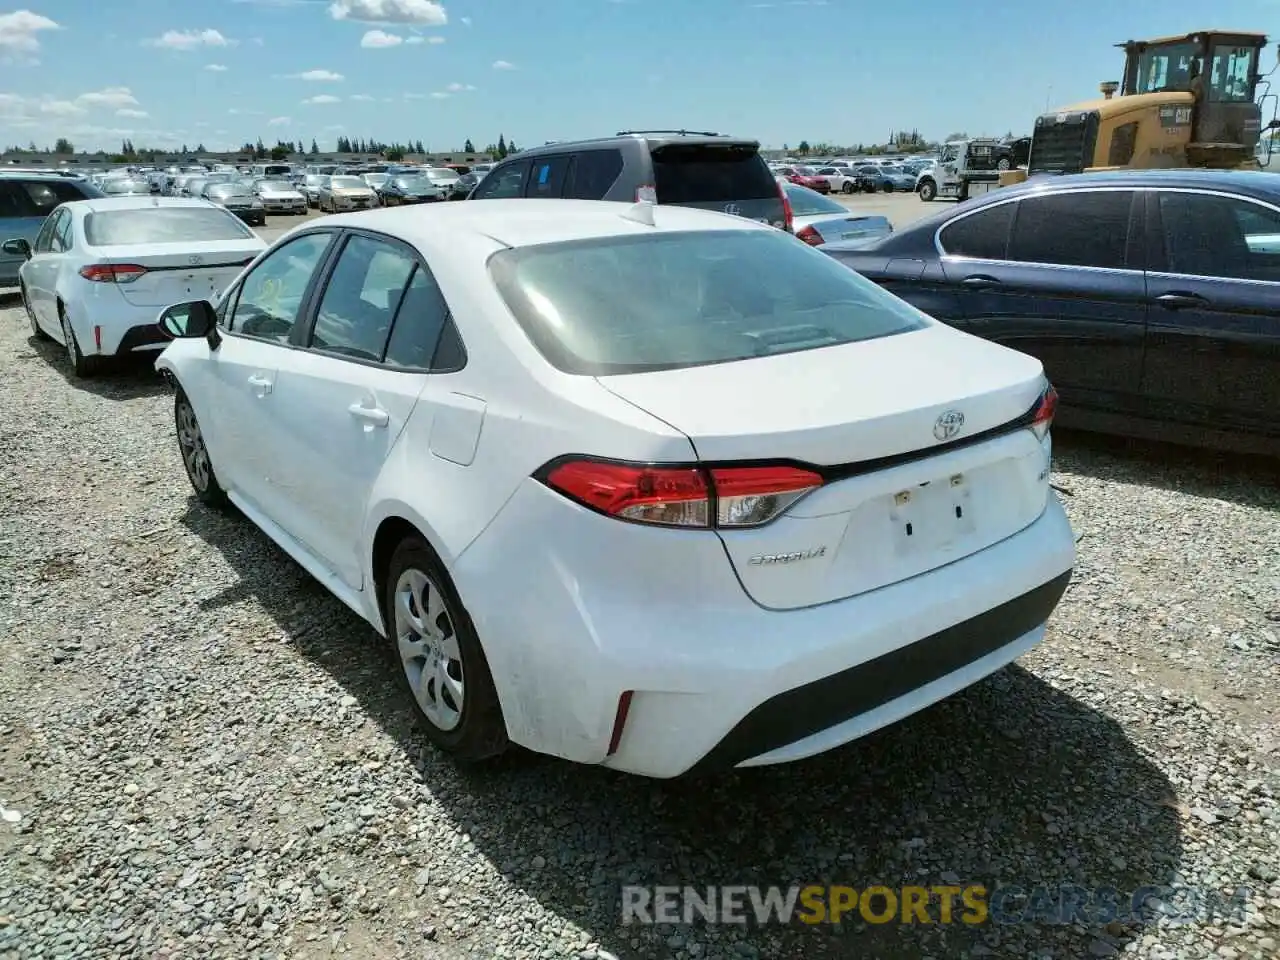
(83, 367)
(1004, 164)
(887, 187)
(928, 190)
(36, 330)
(437, 661)
(848, 187)
(195, 453)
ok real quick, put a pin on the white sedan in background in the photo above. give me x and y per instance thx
(642, 486)
(100, 271)
(280, 196)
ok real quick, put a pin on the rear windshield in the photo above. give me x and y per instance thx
(668, 300)
(809, 203)
(109, 228)
(711, 174)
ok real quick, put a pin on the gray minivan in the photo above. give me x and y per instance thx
(705, 170)
(25, 200)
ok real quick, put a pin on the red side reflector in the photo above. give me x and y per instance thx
(620, 721)
(112, 272)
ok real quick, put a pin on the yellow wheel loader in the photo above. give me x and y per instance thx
(1188, 101)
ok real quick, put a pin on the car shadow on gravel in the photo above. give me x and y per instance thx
(124, 378)
(1243, 479)
(1011, 784)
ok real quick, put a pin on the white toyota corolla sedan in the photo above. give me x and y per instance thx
(100, 270)
(648, 487)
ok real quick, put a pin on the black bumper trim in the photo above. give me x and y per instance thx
(803, 711)
(143, 336)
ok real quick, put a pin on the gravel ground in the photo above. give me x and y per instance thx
(202, 754)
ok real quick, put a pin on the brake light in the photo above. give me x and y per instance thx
(810, 236)
(112, 272)
(689, 497)
(788, 219)
(1045, 410)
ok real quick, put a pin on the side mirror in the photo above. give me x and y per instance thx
(188, 321)
(17, 248)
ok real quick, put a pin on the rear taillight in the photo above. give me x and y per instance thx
(112, 272)
(788, 219)
(1042, 418)
(810, 236)
(691, 497)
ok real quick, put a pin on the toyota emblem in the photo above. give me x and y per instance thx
(733, 209)
(948, 425)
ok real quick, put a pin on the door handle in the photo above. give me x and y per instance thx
(374, 415)
(262, 382)
(980, 282)
(1180, 301)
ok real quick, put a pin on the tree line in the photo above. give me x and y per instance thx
(281, 149)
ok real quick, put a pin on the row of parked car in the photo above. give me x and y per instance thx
(724, 437)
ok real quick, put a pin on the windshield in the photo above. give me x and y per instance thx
(229, 190)
(347, 183)
(412, 183)
(670, 300)
(442, 175)
(316, 180)
(162, 225)
(808, 203)
(378, 178)
(276, 185)
(1166, 67)
(1231, 75)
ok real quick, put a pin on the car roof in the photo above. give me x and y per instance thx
(654, 139)
(521, 222)
(1246, 181)
(134, 202)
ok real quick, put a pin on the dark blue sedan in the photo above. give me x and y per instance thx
(1152, 298)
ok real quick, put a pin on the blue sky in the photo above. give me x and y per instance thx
(842, 71)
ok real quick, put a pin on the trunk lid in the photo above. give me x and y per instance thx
(897, 501)
(200, 271)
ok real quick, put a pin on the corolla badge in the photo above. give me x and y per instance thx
(948, 425)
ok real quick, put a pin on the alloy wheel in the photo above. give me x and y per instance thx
(429, 651)
(195, 456)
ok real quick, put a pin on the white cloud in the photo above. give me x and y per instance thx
(459, 87)
(19, 34)
(425, 12)
(279, 122)
(363, 98)
(132, 113)
(438, 95)
(319, 75)
(503, 65)
(61, 108)
(465, 21)
(189, 39)
(215, 68)
(323, 98)
(415, 40)
(379, 39)
(117, 97)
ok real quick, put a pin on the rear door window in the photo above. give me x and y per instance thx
(503, 183)
(983, 235)
(711, 173)
(592, 174)
(1074, 229)
(546, 178)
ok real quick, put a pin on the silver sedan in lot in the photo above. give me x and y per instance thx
(280, 196)
(346, 193)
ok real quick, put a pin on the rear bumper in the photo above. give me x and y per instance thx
(717, 680)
